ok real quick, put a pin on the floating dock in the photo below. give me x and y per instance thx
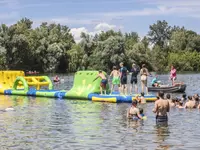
(84, 87)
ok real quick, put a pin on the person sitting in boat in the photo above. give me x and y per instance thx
(56, 79)
(154, 82)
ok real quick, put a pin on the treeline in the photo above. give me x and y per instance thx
(51, 48)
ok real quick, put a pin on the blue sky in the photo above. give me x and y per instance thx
(92, 16)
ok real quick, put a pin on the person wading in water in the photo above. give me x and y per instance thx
(161, 109)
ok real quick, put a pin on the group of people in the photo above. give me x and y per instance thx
(120, 77)
(162, 106)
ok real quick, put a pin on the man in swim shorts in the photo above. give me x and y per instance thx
(116, 78)
(134, 72)
(161, 109)
(123, 77)
(103, 81)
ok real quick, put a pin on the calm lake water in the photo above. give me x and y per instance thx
(44, 123)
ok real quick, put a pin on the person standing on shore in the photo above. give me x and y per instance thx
(161, 109)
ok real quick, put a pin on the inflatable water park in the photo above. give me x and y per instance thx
(84, 87)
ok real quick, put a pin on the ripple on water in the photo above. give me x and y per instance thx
(43, 123)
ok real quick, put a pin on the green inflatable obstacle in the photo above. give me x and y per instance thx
(85, 84)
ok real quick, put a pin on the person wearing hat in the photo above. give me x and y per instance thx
(134, 73)
(134, 112)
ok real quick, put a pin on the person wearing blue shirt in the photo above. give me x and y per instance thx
(154, 82)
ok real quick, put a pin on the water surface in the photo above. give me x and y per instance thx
(47, 123)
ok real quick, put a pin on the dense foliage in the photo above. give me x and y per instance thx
(51, 48)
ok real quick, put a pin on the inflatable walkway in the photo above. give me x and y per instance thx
(84, 87)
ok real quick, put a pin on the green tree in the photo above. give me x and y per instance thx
(108, 53)
(159, 33)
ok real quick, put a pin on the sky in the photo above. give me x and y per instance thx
(94, 16)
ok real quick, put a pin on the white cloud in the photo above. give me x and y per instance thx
(76, 32)
(66, 21)
(104, 26)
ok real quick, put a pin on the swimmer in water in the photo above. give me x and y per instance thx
(141, 112)
(191, 103)
(180, 105)
(184, 98)
(133, 112)
(143, 100)
(173, 103)
(103, 81)
(161, 109)
(56, 79)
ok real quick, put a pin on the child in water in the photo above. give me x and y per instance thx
(103, 81)
(116, 78)
(180, 105)
(143, 100)
(184, 98)
(142, 114)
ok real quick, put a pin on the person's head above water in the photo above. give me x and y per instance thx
(180, 103)
(161, 94)
(176, 99)
(134, 103)
(184, 95)
(173, 100)
(190, 97)
(141, 110)
(142, 94)
(168, 96)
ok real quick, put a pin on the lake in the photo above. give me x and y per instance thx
(47, 123)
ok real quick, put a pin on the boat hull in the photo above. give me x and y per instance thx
(171, 89)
